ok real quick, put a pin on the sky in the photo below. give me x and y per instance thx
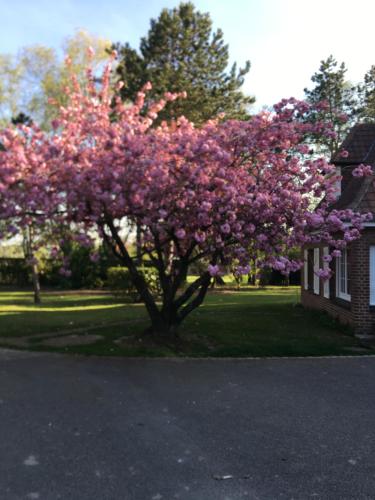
(285, 40)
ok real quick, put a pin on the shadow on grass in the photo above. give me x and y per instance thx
(255, 322)
(20, 317)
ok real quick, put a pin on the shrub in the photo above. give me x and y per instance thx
(14, 271)
(118, 280)
(84, 272)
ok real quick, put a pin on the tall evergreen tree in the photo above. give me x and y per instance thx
(181, 52)
(366, 92)
(339, 96)
(22, 119)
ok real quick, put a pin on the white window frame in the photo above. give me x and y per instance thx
(372, 275)
(305, 270)
(338, 188)
(342, 276)
(326, 268)
(316, 269)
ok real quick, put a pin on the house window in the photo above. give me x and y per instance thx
(326, 267)
(372, 276)
(311, 280)
(337, 191)
(343, 275)
(316, 269)
(305, 270)
(310, 269)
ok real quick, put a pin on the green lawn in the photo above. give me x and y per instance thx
(251, 322)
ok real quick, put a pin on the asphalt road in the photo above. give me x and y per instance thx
(76, 428)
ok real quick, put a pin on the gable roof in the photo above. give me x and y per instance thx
(358, 193)
(360, 144)
(354, 195)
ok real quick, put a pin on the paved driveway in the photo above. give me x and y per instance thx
(117, 429)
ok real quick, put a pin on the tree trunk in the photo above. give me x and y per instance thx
(34, 267)
(163, 330)
(217, 281)
(251, 280)
(165, 320)
(165, 323)
(164, 326)
(138, 243)
(36, 284)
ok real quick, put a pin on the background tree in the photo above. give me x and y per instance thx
(36, 74)
(31, 261)
(182, 53)
(29, 232)
(366, 91)
(337, 103)
(21, 119)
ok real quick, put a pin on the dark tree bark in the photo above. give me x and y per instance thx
(138, 243)
(176, 303)
(36, 284)
(28, 237)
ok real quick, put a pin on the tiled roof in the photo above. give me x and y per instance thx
(360, 144)
(358, 193)
(354, 195)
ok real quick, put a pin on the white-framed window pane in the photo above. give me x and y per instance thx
(348, 272)
(343, 276)
(337, 191)
(305, 270)
(326, 267)
(316, 269)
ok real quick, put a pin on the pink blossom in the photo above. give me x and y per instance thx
(242, 270)
(206, 205)
(200, 237)
(324, 274)
(343, 117)
(214, 270)
(180, 204)
(363, 171)
(225, 228)
(90, 52)
(316, 219)
(279, 265)
(180, 233)
(147, 86)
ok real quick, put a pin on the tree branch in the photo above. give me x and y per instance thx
(191, 289)
(197, 301)
(137, 277)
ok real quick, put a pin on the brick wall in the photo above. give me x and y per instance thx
(312, 301)
(364, 317)
(357, 312)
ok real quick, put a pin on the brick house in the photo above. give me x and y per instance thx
(349, 295)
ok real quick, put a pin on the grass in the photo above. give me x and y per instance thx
(250, 322)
